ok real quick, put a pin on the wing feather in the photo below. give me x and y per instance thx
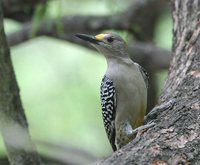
(108, 103)
(144, 74)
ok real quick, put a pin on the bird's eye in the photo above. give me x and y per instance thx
(110, 39)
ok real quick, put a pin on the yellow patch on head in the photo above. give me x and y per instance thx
(100, 36)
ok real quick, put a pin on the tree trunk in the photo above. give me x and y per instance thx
(175, 139)
(13, 124)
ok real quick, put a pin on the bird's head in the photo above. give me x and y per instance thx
(109, 44)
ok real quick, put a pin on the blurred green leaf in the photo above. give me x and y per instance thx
(163, 31)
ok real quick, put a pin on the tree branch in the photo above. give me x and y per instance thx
(20, 10)
(157, 58)
(132, 17)
(14, 127)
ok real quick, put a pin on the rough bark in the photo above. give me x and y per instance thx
(13, 124)
(175, 139)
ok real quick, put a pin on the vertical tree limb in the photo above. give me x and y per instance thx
(13, 124)
(185, 65)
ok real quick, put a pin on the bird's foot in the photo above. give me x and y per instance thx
(158, 109)
(138, 131)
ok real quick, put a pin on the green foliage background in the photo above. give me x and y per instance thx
(59, 81)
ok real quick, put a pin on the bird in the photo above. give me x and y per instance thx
(123, 90)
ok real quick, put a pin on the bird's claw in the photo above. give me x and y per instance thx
(142, 128)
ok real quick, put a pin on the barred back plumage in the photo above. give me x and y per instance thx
(108, 103)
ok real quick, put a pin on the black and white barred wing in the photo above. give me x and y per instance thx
(108, 103)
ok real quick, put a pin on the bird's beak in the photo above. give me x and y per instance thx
(89, 38)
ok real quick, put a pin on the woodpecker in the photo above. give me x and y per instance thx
(123, 89)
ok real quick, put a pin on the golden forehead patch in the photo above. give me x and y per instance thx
(100, 36)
